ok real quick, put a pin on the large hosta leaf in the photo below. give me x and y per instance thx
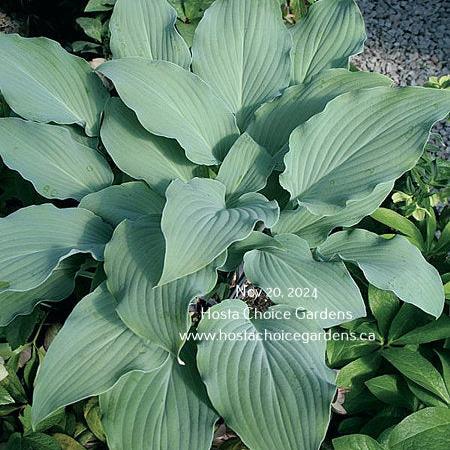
(147, 28)
(254, 65)
(331, 32)
(198, 226)
(361, 139)
(157, 314)
(246, 168)
(177, 104)
(57, 287)
(275, 121)
(34, 240)
(315, 229)
(89, 355)
(392, 265)
(274, 393)
(140, 154)
(166, 409)
(236, 251)
(126, 201)
(41, 81)
(48, 156)
(290, 275)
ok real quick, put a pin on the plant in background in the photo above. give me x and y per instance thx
(399, 382)
(256, 119)
(52, 18)
(20, 357)
(96, 23)
(389, 380)
(426, 185)
(189, 12)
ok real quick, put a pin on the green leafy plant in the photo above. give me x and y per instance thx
(20, 357)
(390, 381)
(96, 23)
(180, 181)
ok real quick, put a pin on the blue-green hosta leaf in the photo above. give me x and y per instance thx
(42, 82)
(166, 409)
(93, 350)
(34, 240)
(274, 393)
(254, 65)
(157, 314)
(57, 287)
(126, 201)
(331, 32)
(80, 136)
(245, 169)
(48, 156)
(198, 226)
(146, 28)
(360, 140)
(236, 251)
(427, 428)
(390, 264)
(290, 275)
(275, 121)
(177, 104)
(140, 154)
(315, 229)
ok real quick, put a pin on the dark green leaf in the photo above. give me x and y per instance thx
(391, 389)
(356, 442)
(432, 331)
(418, 369)
(408, 318)
(428, 428)
(40, 441)
(384, 306)
(341, 351)
(92, 26)
(16, 442)
(358, 371)
(383, 419)
(99, 5)
(18, 331)
(424, 396)
(92, 414)
(397, 222)
(67, 443)
(444, 356)
(5, 397)
(13, 385)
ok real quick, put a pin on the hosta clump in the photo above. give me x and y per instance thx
(213, 139)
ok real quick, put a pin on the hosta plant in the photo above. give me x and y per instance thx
(232, 161)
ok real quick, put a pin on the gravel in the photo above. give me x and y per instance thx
(8, 25)
(408, 40)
